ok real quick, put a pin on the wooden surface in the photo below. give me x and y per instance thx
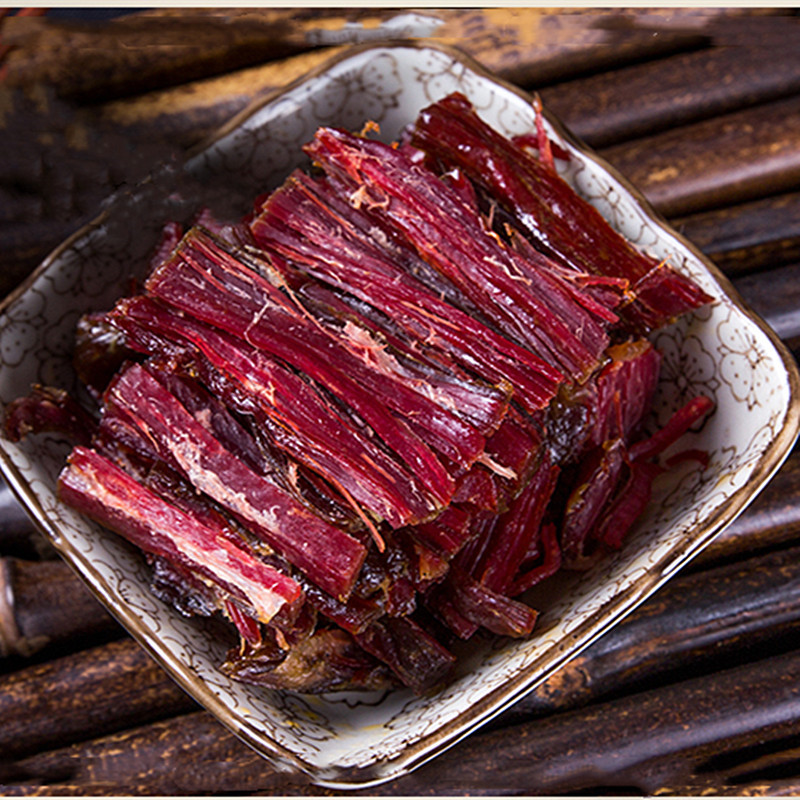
(698, 691)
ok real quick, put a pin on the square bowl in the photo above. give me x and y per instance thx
(349, 740)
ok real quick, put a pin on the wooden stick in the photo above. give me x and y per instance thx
(647, 741)
(537, 46)
(61, 789)
(771, 521)
(84, 695)
(775, 295)
(186, 754)
(500, 39)
(711, 163)
(666, 737)
(187, 113)
(43, 604)
(748, 237)
(658, 95)
(139, 52)
(700, 622)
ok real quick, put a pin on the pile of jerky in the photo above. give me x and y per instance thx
(363, 421)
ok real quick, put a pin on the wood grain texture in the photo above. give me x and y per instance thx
(504, 41)
(775, 295)
(185, 754)
(747, 237)
(698, 623)
(661, 94)
(139, 52)
(716, 725)
(187, 113)
(88, 694)
(695, 625)
(646, 741)
(718, 162)
(536, 46)
(144, 51)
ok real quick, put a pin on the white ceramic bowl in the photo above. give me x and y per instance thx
(351, 740)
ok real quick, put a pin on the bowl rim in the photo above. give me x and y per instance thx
(431, 744)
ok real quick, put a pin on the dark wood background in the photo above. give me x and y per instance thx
(698, 691)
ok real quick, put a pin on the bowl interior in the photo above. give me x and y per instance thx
(347, 739)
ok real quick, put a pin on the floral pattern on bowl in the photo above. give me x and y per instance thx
(349, 740)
